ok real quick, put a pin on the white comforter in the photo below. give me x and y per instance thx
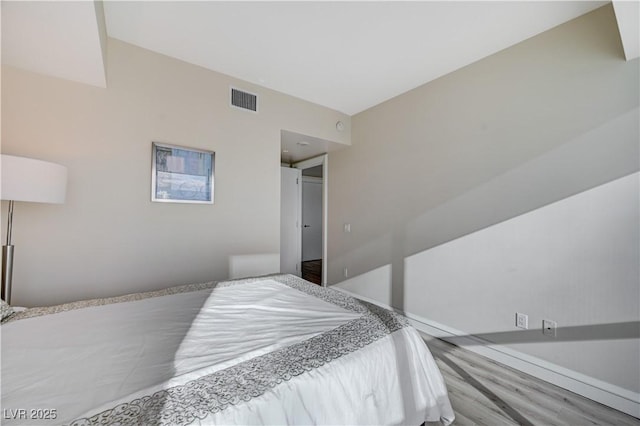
(103, 363)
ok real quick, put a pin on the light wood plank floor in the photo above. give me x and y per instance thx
(484, 392)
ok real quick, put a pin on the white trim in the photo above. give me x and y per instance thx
(597, 390)
(311, 162)
(325, 218)
(299, 225)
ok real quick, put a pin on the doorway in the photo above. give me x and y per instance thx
(313, 238)
(311, 241)
(303, 234)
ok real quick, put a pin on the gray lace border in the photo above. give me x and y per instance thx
(49, 310)
(326, 294)
(197, 399)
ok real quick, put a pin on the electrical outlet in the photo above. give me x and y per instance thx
(347, 227)
(522, 320)
(549, 328)
(346, 272)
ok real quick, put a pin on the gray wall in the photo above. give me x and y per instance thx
(109, 238)
(446, 164)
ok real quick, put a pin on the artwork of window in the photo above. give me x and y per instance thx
(182, 175)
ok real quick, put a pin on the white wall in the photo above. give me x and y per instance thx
(109, 238)
(462, 161)
(574, 261)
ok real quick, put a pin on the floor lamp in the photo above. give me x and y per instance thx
(26, 179)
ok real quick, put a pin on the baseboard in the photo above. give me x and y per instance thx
(605, 393)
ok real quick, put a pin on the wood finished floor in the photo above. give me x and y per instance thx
(484, 392)
(312, 271)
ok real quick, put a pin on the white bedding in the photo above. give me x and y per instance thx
(272, 350)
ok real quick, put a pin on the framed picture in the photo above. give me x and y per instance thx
(182, 175)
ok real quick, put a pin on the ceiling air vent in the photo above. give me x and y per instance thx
(244, 100)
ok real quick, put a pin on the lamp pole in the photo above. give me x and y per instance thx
(7, 259)
(27, 180)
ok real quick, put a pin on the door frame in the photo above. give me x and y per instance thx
(321, 160)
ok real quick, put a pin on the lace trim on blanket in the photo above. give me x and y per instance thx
(197, 399)
(328, 295)
(210, 394)
(48, 310)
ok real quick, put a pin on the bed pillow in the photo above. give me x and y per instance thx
(5, 309)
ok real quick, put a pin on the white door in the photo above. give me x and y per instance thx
(290, 234)
(311, 218)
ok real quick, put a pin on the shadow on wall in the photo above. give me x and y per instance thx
(537, 183)
(611, 331)
(527, 252)
(608, 331)
(576, 261)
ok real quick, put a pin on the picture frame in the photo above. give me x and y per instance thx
(182, 175)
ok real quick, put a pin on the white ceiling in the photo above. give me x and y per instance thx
(348, 56)
(297, 147)
(60, 39)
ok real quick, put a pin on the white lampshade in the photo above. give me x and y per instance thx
(26, 179)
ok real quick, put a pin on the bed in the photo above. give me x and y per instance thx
(265, 350)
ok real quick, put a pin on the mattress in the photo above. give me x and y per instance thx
(266, 350)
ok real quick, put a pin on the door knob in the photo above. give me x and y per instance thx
(307, 226)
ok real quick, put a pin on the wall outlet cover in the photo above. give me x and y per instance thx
(522, 320)
(549, 328)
